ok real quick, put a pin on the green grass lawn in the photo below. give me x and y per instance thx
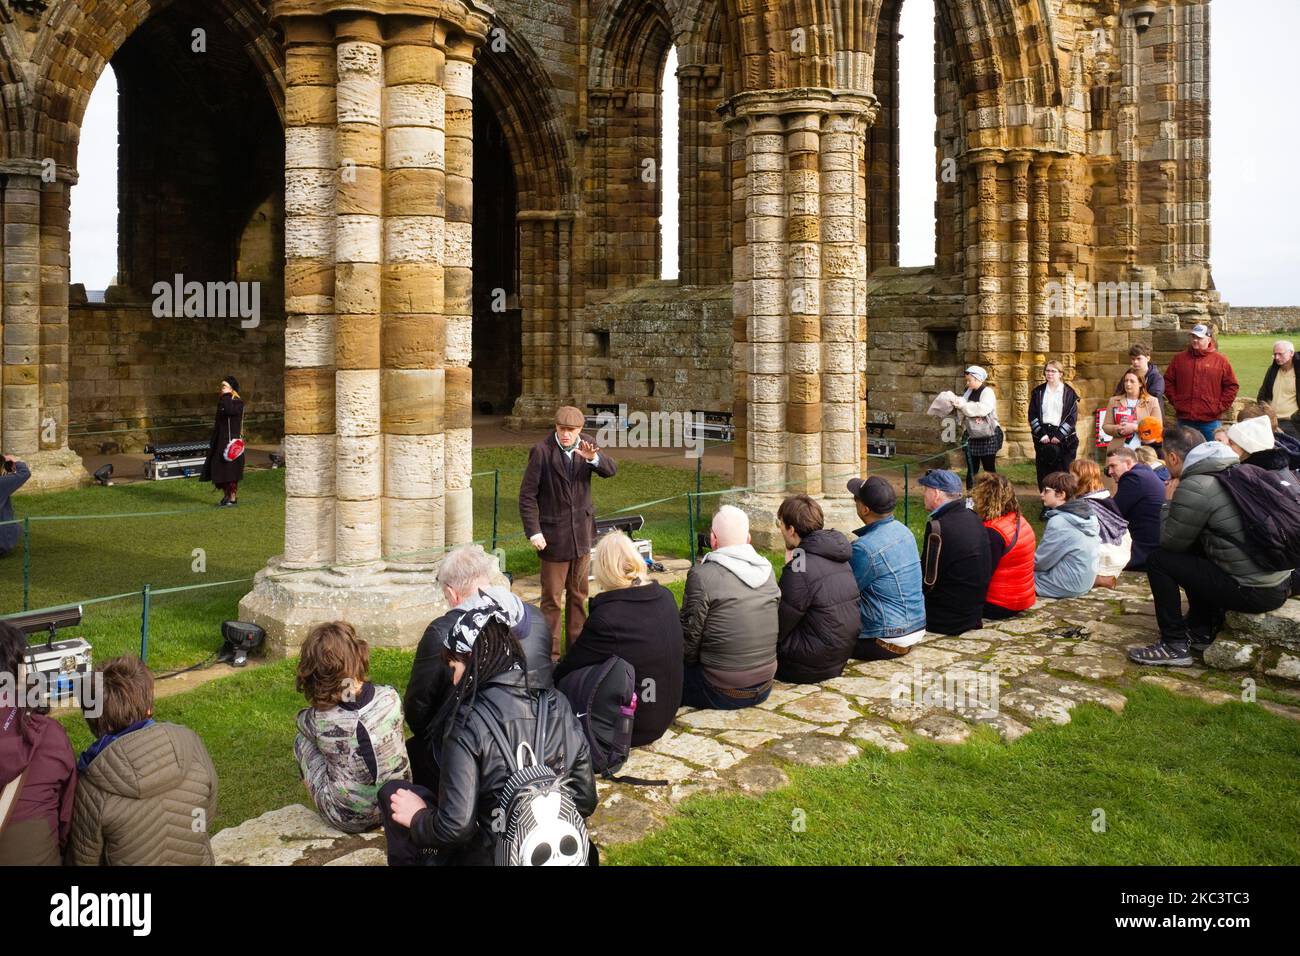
(1179, 783)
(1250, 356)
(91, 557)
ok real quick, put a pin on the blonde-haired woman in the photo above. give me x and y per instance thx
(635, 619)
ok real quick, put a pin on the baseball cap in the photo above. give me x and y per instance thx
(1201, 331)
(874, 492)
(942, 480)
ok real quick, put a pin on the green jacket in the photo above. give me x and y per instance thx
(1203, 512)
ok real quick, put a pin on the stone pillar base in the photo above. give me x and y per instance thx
(764, 532)
(54, 470)
(388, 608)
(532, 413)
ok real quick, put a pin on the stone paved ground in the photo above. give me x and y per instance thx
(1056, 657)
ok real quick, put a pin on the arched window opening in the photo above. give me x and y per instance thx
(668, 190)
(94, 216)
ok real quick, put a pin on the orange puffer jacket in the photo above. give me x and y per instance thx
(1012, 586)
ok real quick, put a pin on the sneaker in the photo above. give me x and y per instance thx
(1199, 645)
(1161, 654)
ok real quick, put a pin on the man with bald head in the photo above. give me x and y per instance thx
(1279, 388)
(730, 620)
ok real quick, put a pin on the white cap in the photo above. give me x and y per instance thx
(1201, 331)
(1252, 434)
(978, 372)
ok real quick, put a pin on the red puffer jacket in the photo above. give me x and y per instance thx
(1012, 586)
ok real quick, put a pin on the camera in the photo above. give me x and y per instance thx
(9, 466)
(702, 543)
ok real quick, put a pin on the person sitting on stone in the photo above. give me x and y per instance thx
(1149, 457)
(1011, 543)
(1116, 548)
(1065, 564)
(729, 620)
(38, 770)
(463, 573)
(887, 569)
(1203, 553)
(635, 619)
(1252, 440)
(146, 790)
(956, 562)
(1281, 438)
(1139, 495)
(350, 739)
(460, 822)
(818, 614)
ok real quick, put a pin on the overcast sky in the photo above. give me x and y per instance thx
(1255, 144)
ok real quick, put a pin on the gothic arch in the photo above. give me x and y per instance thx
(523, 98)
(69, 60)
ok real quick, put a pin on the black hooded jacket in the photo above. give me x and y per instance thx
(819, 616)
(474, 771)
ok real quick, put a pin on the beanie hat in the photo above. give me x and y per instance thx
(1151, 430)
(1252, 435)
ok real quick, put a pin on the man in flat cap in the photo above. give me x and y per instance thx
(559, 519)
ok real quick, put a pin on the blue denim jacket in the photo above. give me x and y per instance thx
(887, 566)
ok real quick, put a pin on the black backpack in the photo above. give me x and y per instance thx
(1269, 502)
(536, 820)
(604, 699)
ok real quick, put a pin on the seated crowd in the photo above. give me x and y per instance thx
(485, 691)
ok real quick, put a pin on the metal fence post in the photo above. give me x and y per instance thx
(496, 497)
(27, 561)
(144, 623)
(690, 524)
(907, 495)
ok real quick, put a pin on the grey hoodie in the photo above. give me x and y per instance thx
(1065, 564)
(729, 613)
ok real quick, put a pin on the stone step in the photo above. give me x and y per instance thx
(1267, 644)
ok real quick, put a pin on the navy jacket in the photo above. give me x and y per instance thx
(1140, 495)
(957, 576)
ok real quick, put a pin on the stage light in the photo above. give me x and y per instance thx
(240, 638)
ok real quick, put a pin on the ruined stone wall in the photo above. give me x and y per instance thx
(1251, 320)
(143, 379)
(659, 348)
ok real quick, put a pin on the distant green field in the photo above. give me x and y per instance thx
(1250, 356)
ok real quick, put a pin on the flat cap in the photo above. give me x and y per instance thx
(569, 417)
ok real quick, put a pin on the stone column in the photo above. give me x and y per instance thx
(1024, 373)
(459, 260)
(22, 316)
(311, 182)
(359, 250)
(34, 395)
(414, 333)
(1040, 258)
(799, 276)
(379, 255)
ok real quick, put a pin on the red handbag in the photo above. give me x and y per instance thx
(234, 446)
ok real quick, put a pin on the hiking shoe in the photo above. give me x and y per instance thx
(1161, 654)
(1200, 645)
